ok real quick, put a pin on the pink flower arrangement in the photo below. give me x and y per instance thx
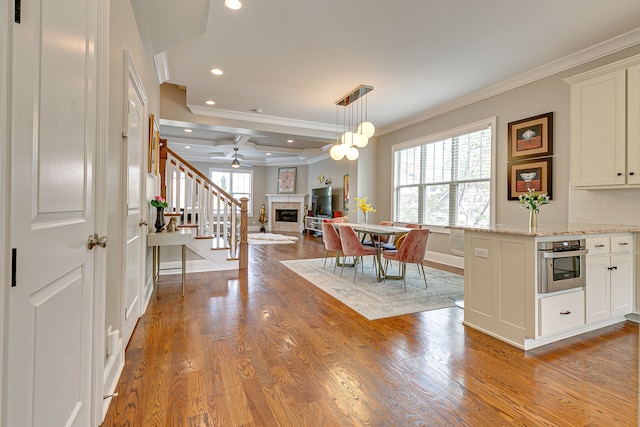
(159, 202)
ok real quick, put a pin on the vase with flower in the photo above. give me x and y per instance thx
(364, 207)
(160, 204)
(532, 201)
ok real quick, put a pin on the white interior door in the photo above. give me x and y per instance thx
(53, 140)
(133, 288)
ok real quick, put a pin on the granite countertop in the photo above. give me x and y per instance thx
(554, 230)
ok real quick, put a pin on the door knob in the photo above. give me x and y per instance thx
(143, 222)
(95, 240)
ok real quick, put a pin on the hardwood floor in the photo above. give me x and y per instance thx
(267, 348)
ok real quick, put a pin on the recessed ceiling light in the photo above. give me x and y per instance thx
(268, 154)
(188, 130)
(187, 147)
(289, 141)
(210, 102)
(217, 71)
(233, 4)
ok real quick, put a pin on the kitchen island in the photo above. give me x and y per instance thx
(502, 276)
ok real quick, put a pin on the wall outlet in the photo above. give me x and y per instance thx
(481, 252)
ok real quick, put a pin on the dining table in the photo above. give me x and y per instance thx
(378, 231)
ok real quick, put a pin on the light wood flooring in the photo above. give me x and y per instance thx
(267, 348)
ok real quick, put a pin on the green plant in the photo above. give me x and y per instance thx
(533, 200)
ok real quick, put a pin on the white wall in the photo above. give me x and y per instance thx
(550, 94)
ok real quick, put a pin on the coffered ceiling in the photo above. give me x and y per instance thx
(286, 63)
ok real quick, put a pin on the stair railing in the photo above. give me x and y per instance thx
(203, 206)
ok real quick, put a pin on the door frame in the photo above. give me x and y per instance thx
(98, 402)
(5, 117)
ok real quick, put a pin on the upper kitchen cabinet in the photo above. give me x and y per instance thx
(605, 126)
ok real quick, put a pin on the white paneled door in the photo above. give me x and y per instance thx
(133, 289)
(53, 141)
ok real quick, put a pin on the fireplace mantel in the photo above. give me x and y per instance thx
(291, 201)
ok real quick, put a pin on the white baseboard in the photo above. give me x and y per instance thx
(111, 375)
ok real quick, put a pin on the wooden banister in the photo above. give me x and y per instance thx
(204, 206)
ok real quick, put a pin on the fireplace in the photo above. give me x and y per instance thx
(286, 212)
(287, 215)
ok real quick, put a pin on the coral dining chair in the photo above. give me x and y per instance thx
(394, 244)
(411, 250)
(352, 247)
(332, 243)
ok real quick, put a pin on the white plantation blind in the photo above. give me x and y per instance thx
(445, 180)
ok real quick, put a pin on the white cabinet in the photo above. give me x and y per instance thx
(605, 126)
(313, 224)
(609, 289)
(561, 312)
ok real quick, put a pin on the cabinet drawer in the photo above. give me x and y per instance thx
(561, 312)
(621, 244)
(598, 245)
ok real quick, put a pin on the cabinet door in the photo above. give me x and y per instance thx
(598, 131)
(633, 125)
(621, 284)
(597, 289)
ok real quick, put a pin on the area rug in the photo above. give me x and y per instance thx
(377, 300)
(269, 239)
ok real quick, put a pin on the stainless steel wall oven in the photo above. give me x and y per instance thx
(561, 265)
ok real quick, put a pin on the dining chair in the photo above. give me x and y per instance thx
(410, 251)
(352, 247)
(395, 241)
(332, 243)
(377, 240)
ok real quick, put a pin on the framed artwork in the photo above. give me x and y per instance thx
(529, 174)
(286, 180)
(154, 146)
(532, 137)
(345, 193)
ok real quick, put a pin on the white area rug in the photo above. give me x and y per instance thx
(269, 239)
(377, 300)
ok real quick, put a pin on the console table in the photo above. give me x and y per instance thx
(181, 237)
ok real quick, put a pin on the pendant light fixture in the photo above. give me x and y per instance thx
(235, 164)
(357, 128)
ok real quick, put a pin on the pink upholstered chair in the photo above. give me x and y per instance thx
(411, 251)
(392, 245)
(332, 243)
(352, 247)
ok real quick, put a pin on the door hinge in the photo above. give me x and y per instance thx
(16, 11)
(126, 314)
(14, 261)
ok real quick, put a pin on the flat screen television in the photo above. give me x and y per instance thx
(321, 202)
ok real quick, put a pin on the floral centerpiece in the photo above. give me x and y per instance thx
(364, 207)
(532, 201)
(160, 204)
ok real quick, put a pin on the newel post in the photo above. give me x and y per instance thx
(243, 262)
(162, 165)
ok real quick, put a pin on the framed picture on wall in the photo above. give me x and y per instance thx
(345, 193)
(154, 146)
(287, 180)
(529, 174)
(532, 137)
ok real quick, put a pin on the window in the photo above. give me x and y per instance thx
(446, 179)
(238, 184)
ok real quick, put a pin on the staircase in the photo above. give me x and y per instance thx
(204, 207)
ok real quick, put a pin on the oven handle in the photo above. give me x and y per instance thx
(564, 254)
